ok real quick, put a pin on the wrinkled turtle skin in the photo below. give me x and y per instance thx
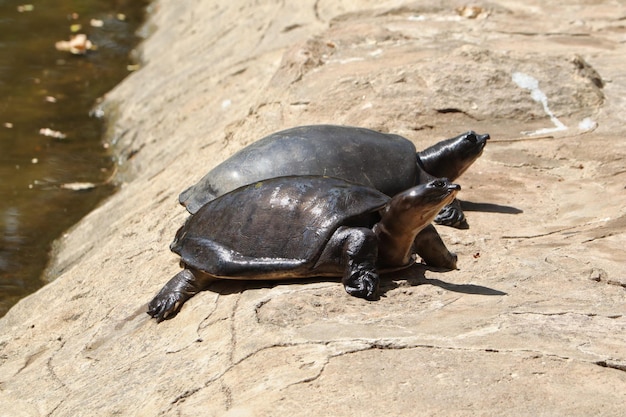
(387, 162)
(304, 226)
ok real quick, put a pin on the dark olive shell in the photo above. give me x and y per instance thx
(273, 227)
(385, 162)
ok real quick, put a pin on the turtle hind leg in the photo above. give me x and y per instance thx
(168, 302)
(452, 215)
(356, 250)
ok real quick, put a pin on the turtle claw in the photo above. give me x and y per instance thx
(166, 306)
(452, 215)
(168, 302)
(362, 283)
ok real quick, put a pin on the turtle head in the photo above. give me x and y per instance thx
(431, 196)
(451, 157)
(406, 215)
(416, 207)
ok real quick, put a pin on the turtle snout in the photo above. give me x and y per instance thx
(454, 187)
(476, 139)
(482, 140)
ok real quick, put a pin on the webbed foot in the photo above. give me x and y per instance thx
(362, 282)
(168, 302)
(166, 305)
(452, 215)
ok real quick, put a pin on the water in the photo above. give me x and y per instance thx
(48, 183)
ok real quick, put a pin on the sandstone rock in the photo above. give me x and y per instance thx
(533, 322)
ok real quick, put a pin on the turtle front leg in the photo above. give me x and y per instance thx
(356, 249)
(361, 280)
(168, 302)
(429, 246)
(452, 215)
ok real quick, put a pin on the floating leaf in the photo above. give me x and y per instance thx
(52, 133)
(25, 8)
(78, 186)
(77, 45)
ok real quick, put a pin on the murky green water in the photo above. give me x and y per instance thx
(46, 181)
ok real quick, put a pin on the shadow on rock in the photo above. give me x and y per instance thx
(232, 286)
(412, 276)
(489, 208)
(415, 276)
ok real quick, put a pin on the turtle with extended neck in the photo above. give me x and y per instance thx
(297, 227)
(386, 162)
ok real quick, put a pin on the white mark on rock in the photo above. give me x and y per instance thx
(530, 83)
(587, 124)
(226, 104)
(418, 18)
(345, 61)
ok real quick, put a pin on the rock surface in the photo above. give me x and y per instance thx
(533, 322)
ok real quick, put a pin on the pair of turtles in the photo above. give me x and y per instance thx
(318, 200)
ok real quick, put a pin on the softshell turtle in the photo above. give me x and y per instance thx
(387, 162)
(296, 227)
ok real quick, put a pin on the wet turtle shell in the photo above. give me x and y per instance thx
(382, 161)
(387, 162)
(283, 228)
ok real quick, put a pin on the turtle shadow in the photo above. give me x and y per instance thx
(230, 286)
(412, 276)
(415, 275)
(489, 208)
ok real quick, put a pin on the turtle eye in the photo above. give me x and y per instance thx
(471, 136)
(440, 183)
